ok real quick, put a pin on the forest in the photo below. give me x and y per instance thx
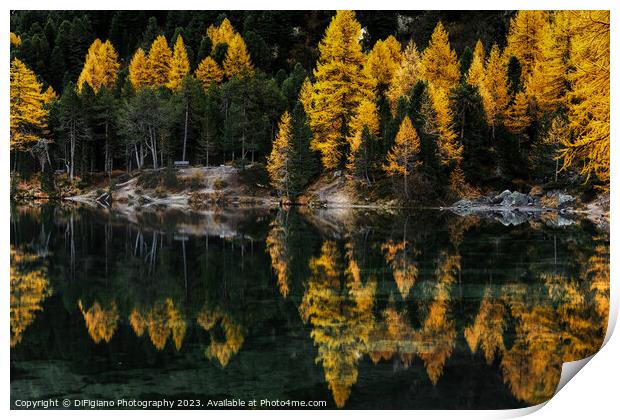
(423, 106)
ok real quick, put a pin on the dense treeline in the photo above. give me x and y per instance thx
(431, 103)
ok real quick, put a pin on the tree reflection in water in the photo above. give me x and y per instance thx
(424, 293)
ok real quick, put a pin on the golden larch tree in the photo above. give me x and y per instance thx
(440, 66)
(305, 95)
(450, 150)
(160, 57)
(28, 115)
(554, 70)
(139, 70)
(402, 159)
(49, 95)
(589, 106)
(525, 39)
(405, 76)
(16, 40)
(237, 62)
(475, 74)
(365, 116)
(221, 34)
(518, 117)
(179, 65)
(383, 61)
(340, 86)
(279, 161)
(100, 67)
(494, 92)
(208, 72)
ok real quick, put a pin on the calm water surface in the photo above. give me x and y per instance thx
(421, 310)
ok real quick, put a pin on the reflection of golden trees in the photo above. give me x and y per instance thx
(533, 365)
(101, 323)
(222, 350)
(278, 251)
(29, 288)
(487, 331)
(340, 311)
(437, 335)
(398, 257)
(160, 321)
(597, 272)
(393, 336)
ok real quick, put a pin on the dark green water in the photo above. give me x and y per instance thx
(419, 311)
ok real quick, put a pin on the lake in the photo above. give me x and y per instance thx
(359, 309)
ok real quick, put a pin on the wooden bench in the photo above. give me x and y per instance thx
(181, 163)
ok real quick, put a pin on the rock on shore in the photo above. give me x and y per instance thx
(514, 208)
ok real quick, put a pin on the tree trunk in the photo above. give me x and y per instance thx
(72, 152)
(185, 133)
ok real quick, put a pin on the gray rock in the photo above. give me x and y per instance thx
(565, 200)
(500, 198)
(464, 203)
(515, 199)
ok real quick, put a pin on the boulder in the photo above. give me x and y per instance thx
(498, 199)
(565, 200)
(464, 203)
(515, 199)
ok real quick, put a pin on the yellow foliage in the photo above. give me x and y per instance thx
(399, 257)
(589, 101)
(49, 95)
(305, 95)
(221, 34)
(208, 72)
(475, 74)
(365, 116)
(139, 70)
(100, 67)
(449, 148)
(101, 323)
(403, 157)
(437, 337)
(405, 75)
(277, 247)
(160, 58)
(29, 287)
(16, 40)
(281, 156)
(440, 67)
(28, 115)
(340, 86)
(179, 65)
(518, 116)
(487, 332)
(161, 320)
(340, 313)
(525, 39)
(383, 61)
(223, 351)
(494, 89)
(237, 62)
